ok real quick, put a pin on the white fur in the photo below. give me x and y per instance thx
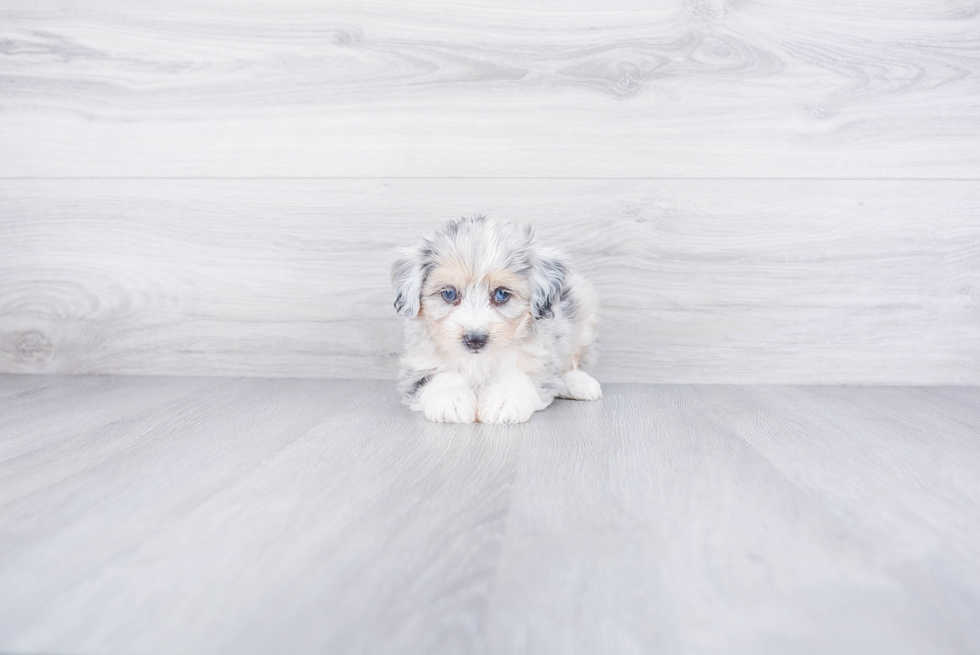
(448, 398)
(579, 385)
(536, 339)
(511, 398)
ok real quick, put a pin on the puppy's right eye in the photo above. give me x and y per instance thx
(449, 295)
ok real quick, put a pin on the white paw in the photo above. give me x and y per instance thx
(496, 407)
(450, 405)
(579, 385)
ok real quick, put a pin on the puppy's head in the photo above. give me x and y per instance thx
(478, 284)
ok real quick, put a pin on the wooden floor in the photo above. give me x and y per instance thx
(202, 515)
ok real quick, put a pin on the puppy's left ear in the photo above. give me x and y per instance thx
(408, 276)
(547, 274)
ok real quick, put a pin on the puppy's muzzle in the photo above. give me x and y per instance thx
(474, 340)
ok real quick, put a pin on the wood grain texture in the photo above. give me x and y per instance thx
(293, 484)
(745, 520)
(302, 516)
(695, 88)
(701, 280)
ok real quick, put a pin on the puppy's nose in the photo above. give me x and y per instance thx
(474, 340)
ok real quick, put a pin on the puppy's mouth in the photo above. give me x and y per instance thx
(475, 341)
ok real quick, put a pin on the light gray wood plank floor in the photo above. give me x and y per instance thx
(203, 515)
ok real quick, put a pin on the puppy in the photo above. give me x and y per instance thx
(498, 327)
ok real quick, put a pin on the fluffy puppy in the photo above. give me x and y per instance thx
(498, 327)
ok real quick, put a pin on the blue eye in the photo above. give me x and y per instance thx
(501, 295)
(449, 294)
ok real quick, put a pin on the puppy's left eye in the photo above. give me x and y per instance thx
(501, 296)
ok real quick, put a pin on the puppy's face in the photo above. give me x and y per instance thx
(479, 285)
(473, 312)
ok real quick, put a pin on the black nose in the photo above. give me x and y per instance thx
(474, 340)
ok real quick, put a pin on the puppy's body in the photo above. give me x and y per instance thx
(498, 327)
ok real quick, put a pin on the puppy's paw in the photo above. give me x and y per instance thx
(497, 407)
(579, 385)
(452, 405)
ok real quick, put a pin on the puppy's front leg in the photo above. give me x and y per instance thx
(511, 398)
(579, 385)
(447, 398)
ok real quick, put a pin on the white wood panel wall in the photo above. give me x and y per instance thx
(791, 192)
(700, 88)
(702, 280)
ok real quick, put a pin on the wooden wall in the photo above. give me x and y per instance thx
(762, 191)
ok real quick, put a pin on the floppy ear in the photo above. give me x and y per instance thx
(408, 276)
(547, 275)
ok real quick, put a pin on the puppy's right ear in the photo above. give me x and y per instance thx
(408, 276)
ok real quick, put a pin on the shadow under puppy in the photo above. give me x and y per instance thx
(498, 327)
